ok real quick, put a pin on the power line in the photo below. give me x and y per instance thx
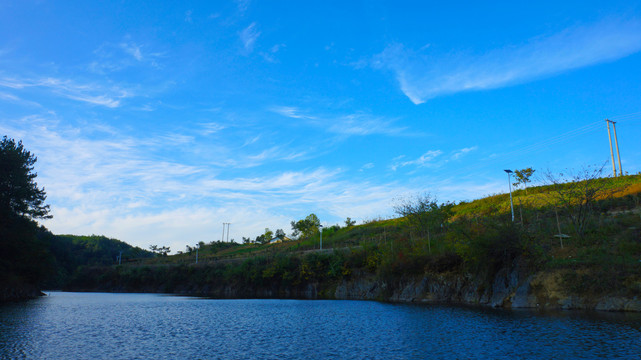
(555, 139)
(544, 144)
(627, 117)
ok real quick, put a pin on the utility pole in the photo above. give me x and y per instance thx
(614, 170)
(222, 239)
(616, 143)
(509, 181)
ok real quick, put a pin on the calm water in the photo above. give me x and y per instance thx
(145, 326)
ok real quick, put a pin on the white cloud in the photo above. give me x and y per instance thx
(9, 97)
(113, 57)
(211, 128)
(358, 124)
(366, 166)
(116, 185)
(426, 159)
(242, 5)
(248, 37)
(89, 93)
(251, 140)
(423, 75)
(14, 99)
(278, 152)
(100, 181)
(291, 112)
(458, 154)
(270, 56)
(362, 125)
(133, 50)
(431, 158)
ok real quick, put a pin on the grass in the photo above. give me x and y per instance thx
(479, 238)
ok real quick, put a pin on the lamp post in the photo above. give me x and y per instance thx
(321, 236)
(509, 182)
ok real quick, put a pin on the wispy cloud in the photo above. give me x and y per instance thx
(251, 140)
(15, 99)
(270, 55)
(359, 124)
(366, 167)
(211, 128)
(133, 50)
(460, 153)
(273, 153)
(423, 75)
(89, 93)
(113, 57)
(426, 159)
(117, 185)
(248, 37)
(101, 180)
(432, 158)
(362, 125)
(290, 112)
(242, 5)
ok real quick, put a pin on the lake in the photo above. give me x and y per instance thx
(150, 326)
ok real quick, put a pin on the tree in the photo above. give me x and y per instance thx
(268, 236)
(306, 227)
(19, 193)
(161, 250)
(523, 177)
(349, 222)
(280, 233)
(425, 214)
(577, 194)
(23, 255)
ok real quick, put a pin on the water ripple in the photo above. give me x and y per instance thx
(145, 326)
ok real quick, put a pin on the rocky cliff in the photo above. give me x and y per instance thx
(514, 286)
(510, 288)
(15, 291)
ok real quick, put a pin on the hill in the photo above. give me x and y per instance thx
(71, 253)
(573, 244)
(48, 261)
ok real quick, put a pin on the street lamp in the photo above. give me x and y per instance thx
(509, 182)
(321, 236)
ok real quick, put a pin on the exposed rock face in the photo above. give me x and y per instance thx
(366, 288)
(511, 288)
(18, 292)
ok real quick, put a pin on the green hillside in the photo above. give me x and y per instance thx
(71, 252)
(589, 227)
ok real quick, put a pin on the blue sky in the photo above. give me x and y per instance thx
(155, 122)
